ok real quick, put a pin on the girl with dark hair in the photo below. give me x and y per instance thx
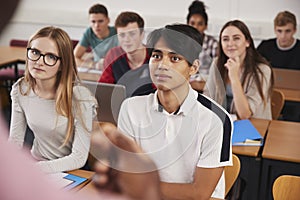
(240, 79)
(197, 17)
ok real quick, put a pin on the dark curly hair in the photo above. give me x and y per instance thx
(197, 7)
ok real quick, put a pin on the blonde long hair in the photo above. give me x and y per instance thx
(68, 70)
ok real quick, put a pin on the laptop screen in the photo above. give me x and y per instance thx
(109, 98)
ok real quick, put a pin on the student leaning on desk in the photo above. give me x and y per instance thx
(240, 79)
(99, 36)
(51, 101)
(283, 52)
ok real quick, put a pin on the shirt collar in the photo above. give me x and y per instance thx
(184, 108)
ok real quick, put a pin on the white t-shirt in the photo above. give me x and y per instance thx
(194, 136)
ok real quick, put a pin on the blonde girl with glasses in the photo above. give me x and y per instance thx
(51, 102)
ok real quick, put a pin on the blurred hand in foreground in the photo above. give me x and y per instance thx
(121, 166)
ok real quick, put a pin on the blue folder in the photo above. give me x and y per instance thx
(245, 134)
(77, 180)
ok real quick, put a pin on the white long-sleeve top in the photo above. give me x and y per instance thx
(50, 129)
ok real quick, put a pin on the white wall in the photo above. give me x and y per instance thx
(71, 15)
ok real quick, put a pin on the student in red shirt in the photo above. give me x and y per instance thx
(127, 64)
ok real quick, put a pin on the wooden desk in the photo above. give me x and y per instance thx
(89, 76)
(11, 55)
(251, 162)
(290, 95)
(262, 126)
(281, 154)
(91, 189)
(283, 141)
(84, 174)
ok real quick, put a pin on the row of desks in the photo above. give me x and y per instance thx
(289, 94)
(88, 188)
(12, 55)
(279, 155)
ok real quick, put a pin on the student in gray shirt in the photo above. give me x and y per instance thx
(57, 110)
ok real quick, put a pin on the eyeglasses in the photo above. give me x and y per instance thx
(48, 58)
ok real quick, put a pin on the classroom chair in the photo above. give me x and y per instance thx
(18, 43)
(74, 42)
(277, 102)
(286, 187)
(231, 173)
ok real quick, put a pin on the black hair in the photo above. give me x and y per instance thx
(98, 8)
(197, 7)
(183, 39)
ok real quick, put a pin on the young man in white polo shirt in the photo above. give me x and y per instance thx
(186, 134)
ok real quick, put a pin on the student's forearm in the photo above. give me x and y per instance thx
(89, 63)
(177, 191)
(204, 184)
(240, 101)
(78, 61)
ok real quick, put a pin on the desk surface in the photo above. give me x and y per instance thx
(262, 126)
(84, 174)
(91, 189)
(88, 76)
(282, 142)
(10, 55)
(290, 95)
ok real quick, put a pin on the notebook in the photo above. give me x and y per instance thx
(109, 98)
(286, 78)
(245, 134)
